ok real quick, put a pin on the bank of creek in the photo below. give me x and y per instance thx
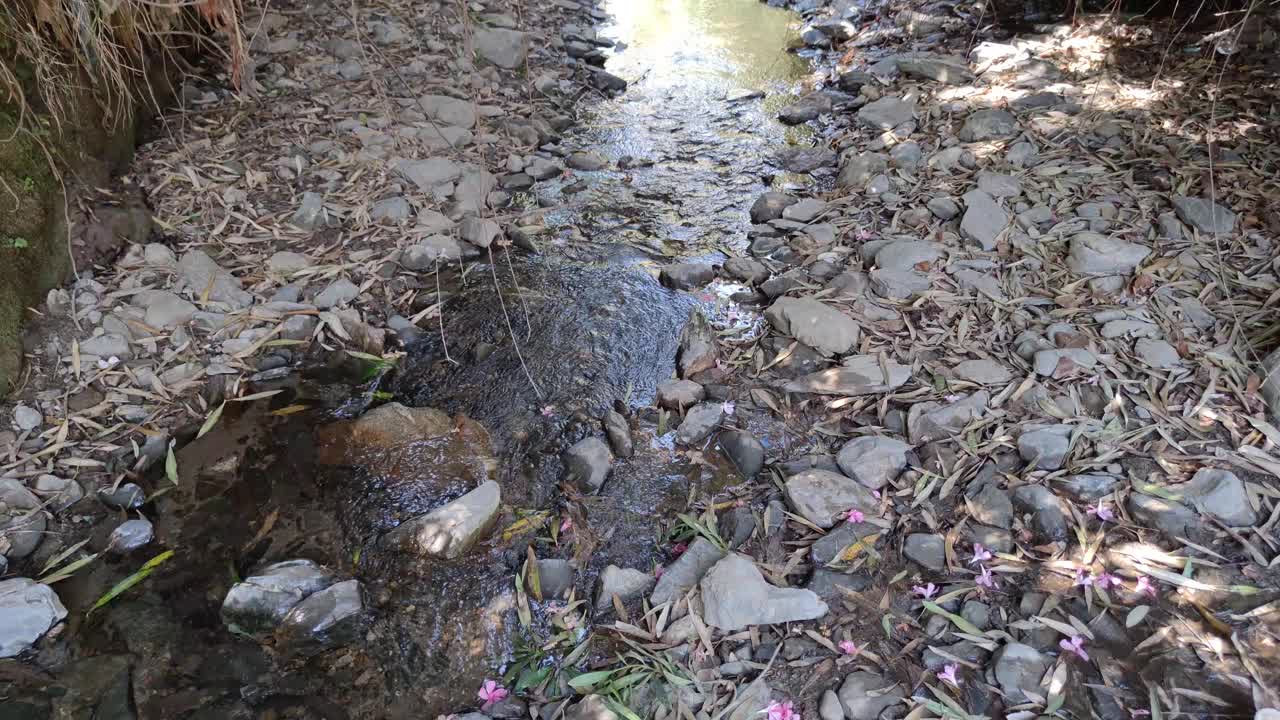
(665, 358)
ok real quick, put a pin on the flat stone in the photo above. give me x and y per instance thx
(829, 706)
(449, 531)
(927, 550)
(874, 460)
(432, 250)
(590, 707)
(166, 310)
(1057, 362)
(744, 451)
(686, 276)
(1089, 487)
(998, 185)
(898, 284)
(60, 493)
(126, 497)
(815, 324)
(857, 170)
(680, 394)
(618, 430)
(940, 421)
(735, 596)
(1018, 669)
(680, 576)
(769, 206)
(990, 124)
(992, 507)
(1204, 215)
(886, 113)
(865, 695)
(749, 271)
(983, 220)
(944, 69)
(1094, 254)
(1048, 516)
(627, 583)
(943, 208)
(859, 375)
(130, 535)
(1220, 493)
(287, 263)
(480, 232)
(310, 214)
(502, 47)
(698, 348)
(908, 255)
(1157, 354)
(1171, 518)
(430, 174)
(205, 278)
(1047, 447)
(906, 155)
(328, 618)
(820, 496)
(806, 160)
(28, 610)
(26, 417)
(258, 603)
(22, 519)
(338, 292)
(983, 372)
(699, 423)
(834, 587)
(828, 548)
(587, 463)
(805, 211)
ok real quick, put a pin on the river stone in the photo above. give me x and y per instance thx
(898, 284)
(447, 110)
(200, 275)
(886, 113)
(818, 326)
(698, 349)
(1018, 669)
(60, 493)
(287, 263)
(856, 170)
(131, 535)
(1048, 516)
(829, 706)
(166, 310)
(587, 463)
(478, 231)
(1204, 215)
(22, 520)
(944, 69)
(680, 394)
(618, 431)
(1157, 354)
(943, 208)
(1220, 493)
(805, 211)
(686, 276)
(1089, 487)
(990, 124)
(126, 497)
(769, 206)
(865, 695)
(927, 550)
(261, 601)
(626, 583)
(699, 423)
(907, 254)
(310, 214)
(749, 271)
(502, 47)
(859, 375)
(26, 417)
(429, 174)
(998, 185)
(338, 292)
(680, 576)
(992, 507)
(906, 155)
(805, 109)
(1047, 447)
(1094, 254)
(828, 548)
(983, 219)
(819, 496)
(449, 531)
(735, 596)
(1169, 517)
(806, 160)
(874, 460)
(744, 451)
(983, 372)
(328, 618)
(391, 210)
(27, 611)
(939, 421)
(429, 251)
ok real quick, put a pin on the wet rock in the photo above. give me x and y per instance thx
(1094, 254)
(744, 451)
(126, 497)
(874, 460)
(449, 532)
(1220, 493)
(983, 220)
(618, 430)
(1018, 669)
(59, 493)
(680, 576)
(735, 596)
(805, 109)
(200, 274)
(856, 170)
(587, 161)
(990, 124)
(261, 601)
(698, 349)
(587, 463)
(699, 423)
(907, 255)
(480, 232)
(627, 583)
(751, 272)
(1048, 516)
(1204, 215)
(502, 47)
(815, 324)
(28, 610)
(940, 421)
(944, 69)
(1047, 447)
(130, 535)
(327, 618)
(1169, 517)
(820, 496)
(859, 375)
(1089, 487)
(769, 206)
(993, 507)
(680, 394)
(927, 550)
(555, 578)
(686, 276)
(886, 113)
(865, 695)
(26, 417)
(943, 208)
(22, 520)
(1157, 354)
(983, 372)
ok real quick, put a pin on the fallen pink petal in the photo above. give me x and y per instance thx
(948, 675)
(1074, 645)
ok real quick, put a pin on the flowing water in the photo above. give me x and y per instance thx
(534, 348)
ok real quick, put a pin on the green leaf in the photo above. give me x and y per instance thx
(69, 570)
(1055, 703)
(210, 422)
(132, 580)
(958, 621)
(584, 682)
(531, 678)
(887, 625)
(620, 709)
(171, 465)
(371, 358)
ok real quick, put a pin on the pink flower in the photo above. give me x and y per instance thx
(926, 591)
(1074, 645)
(848, 647)
(948, 675)
(1106, 580)
(986, 579)
(549, 411)
(855, 516)
(980, 554)
(1103, 512)
(782, 711)
(491, 692)
(1146, 587)
(566, 524)
(679, 548)
(658, 570)
(1083, 577)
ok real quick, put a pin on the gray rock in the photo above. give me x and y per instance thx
(298, 327)
(1220, 493)
(907, 254)
(261, 601)
(1048, 516)
(944, 69)
(749, 271)
(310, 214)
(1169, 517)
(480, 232)
(167, 310)
(681, 575)
(26, 417)
(1018, 669)
(449, 531)
(699, 423)
(828, 548)
(502, 47)
(805, 211)
(994, 539)
(744, 450)
(618, 431)
(698, 348)
(805, 159)
(328, 618)
(999, 186)
(769, 206)
(940, 421)
(977, 613)
(983, 372)
(886, 113)
(200, 273)
(943, 208)
(906, 155)
(587, 463)
(990, 124)
(28, 610)
(898, 284)
(350, 70)
(805, 109)
(1157, 354)
(432, 250)
(818, 326)
(430, 174)
(540, 168)
(992, 507)
(735, 596)
(287, 263)
(555, 578)
(856, 170)
(626, 583)
(865, 695)
(392, 210)
(680, 394)
(1047, 446)
(131, 535)
(948, 159)
(59, 493)
(927, 550)
(686, 276)
(983, 220)
(1022, 154)
(587, 161)
(829, 706)
(1204, 215)
(126, 497)
(1048, 362)
(820, 496)
(873, 460)
(834, 587)
(22, 520)
(159, 255)
(1094, 254)
(338, 292)
(859, 375)
(1089, 487)
(965, 650)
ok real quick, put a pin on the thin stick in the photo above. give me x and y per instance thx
(515, 343)
(440, 315)
(519, 293)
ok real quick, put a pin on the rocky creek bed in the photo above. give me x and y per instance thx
(616, 362)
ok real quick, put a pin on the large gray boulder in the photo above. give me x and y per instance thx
(258, 603)
(328, 618)
(587, 463)
(680, 576)
(735, 596)
(874, 460)
(449, 531)
(27, 611)
(821, 496)
(818, 326)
